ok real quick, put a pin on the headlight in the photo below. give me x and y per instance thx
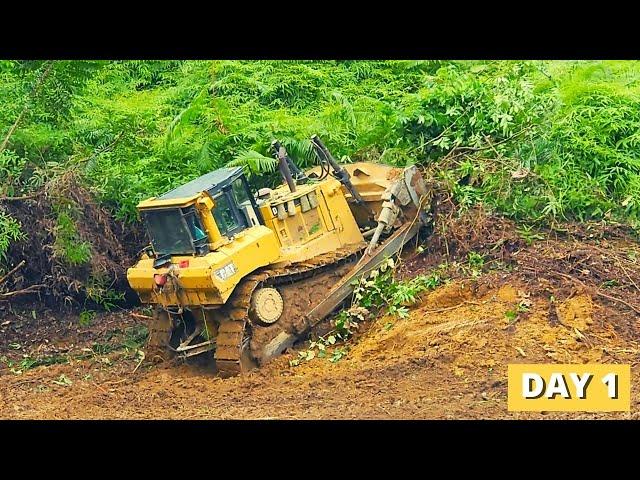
(227, 271)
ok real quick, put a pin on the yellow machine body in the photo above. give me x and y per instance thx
(313, 220)
(245, 275)
(199, 285)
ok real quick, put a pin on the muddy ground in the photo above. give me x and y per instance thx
(561, 298)
(447, 360)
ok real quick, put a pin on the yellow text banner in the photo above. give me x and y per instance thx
(569, 388)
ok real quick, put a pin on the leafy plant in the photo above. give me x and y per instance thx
(63, 381)
(9, 232)
(476, 263)
(528, 234)
(522, 307)
(28, 362)
(511, 315)
(101, 292)
(11, 170)
(86, 317)
(338, 354)
(380, 289)
(68, 244)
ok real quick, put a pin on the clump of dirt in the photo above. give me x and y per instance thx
(48, 279)
(475, 337)
(487, 331)
(450, 294)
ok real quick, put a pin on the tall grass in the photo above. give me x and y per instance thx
(537, 141)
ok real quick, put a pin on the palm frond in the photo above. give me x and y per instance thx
(254, 163)
(186, 116)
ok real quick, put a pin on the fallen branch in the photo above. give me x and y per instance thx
(143, 317)
(629, 276)
(115, 382)
(597, 291)
(142, 357)
(25, 382)
(14, 270)
(102, 389)
(577, 280)
(619, 300)
(18, 199)
(24, 291)
(619, 261)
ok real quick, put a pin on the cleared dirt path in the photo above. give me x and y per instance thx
(447, 360)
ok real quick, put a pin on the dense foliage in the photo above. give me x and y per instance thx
(538, 141)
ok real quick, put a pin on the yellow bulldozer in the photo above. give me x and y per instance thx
(246, 275)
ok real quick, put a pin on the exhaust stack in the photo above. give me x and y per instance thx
(284, 166)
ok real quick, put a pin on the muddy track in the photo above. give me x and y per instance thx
(242, 342)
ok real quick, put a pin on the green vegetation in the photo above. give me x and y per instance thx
(539, 141)
(382, 290)
(528, 234)
(68, 245)
(86, 317)
(511, 315)
(101, 292)
(9, 232)
(524, 306)
(476, 262)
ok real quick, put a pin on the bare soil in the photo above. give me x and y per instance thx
(567, 298)
(447, 360)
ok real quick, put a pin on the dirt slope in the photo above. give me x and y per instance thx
(571, 297)
(447, 360)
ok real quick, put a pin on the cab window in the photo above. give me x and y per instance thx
(240, 192)
(224, 216)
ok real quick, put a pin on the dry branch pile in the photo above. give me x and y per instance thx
(38, 270)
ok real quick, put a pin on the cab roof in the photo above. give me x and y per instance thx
(210, 182)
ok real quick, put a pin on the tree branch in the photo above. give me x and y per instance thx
(490, 146)
(33, 94)
(31, 289)
(18, 199)
(12, 271)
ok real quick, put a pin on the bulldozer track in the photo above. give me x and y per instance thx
(237, 345)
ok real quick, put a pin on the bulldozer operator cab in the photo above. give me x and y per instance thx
(178, 225)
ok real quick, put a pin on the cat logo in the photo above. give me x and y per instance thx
(227, 271)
